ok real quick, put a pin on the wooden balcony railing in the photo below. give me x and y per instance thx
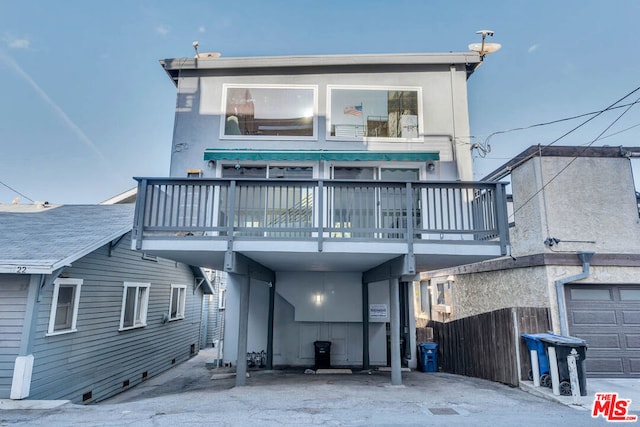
(321, 210)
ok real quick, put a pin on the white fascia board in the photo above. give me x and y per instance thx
(90, 248)
(321, 60)
(48, 267)
(25, 268)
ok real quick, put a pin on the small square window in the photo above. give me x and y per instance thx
(64, 306)
(177, 303)
(135, 298)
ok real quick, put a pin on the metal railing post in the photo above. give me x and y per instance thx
(138, 222)
(410, 217)
(232, 215)
(501, 215)
(320, 214)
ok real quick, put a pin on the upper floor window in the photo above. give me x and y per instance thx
(64, 306)
(135, 298)
(384, 113)
(269, 112)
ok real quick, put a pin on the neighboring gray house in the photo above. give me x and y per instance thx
(322, 185)
(575, 235)
(84, 317)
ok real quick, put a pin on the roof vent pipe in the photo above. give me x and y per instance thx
(585, 258)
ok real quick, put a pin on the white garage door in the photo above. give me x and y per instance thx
(607, 317)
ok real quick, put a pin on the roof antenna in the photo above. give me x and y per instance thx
(484, 48)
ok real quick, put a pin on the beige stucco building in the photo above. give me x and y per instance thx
(575, 236)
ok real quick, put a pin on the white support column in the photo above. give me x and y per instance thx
(535, 368)
(243, 331)
(573, 376)
(553, 367)
(394, 302)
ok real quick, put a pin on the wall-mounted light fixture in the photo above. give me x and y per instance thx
(318, 299)
(431, 166)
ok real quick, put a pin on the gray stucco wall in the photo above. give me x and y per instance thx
(13, 302)
(98, 358)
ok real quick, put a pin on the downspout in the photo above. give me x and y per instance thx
(585, 258)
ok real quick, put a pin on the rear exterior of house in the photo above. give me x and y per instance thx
(322, 185)
(98, 323)
(575, 239)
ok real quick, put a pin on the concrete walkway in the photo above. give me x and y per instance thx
(187, 396)
(627, 388)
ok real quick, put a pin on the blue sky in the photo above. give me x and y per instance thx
(85, 105)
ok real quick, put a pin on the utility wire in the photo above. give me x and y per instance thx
(484, 147)
(17, 192)
(579, 154)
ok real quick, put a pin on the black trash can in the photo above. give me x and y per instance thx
(564, 346)
(323, 354)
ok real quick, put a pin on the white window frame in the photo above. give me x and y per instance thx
(77, 283)
(223, 114)
(181, 299)
(329, 119)
(139, 312)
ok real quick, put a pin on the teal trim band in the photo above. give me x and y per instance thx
(308, 155)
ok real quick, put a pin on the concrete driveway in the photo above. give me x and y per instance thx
(187, 396)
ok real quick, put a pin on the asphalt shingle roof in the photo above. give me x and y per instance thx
(47, 236)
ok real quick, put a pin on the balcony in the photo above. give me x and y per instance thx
(320, 225)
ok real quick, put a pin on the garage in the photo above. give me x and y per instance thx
(607, 317)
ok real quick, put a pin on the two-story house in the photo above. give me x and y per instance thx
(322, 185)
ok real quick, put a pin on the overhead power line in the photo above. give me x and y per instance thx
(17, 192)
(544, 185)
(484, 147)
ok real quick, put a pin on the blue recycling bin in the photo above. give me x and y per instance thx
(534, 342)
(428, 356)
(563, 346)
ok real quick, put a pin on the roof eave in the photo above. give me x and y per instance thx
(173, 66)
(34, 267)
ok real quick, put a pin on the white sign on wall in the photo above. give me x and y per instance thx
(378, 311)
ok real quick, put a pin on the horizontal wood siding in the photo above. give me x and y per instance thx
(484, 346)
(13, 301)
(98, 357)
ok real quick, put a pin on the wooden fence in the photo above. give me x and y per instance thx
(488, 345)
